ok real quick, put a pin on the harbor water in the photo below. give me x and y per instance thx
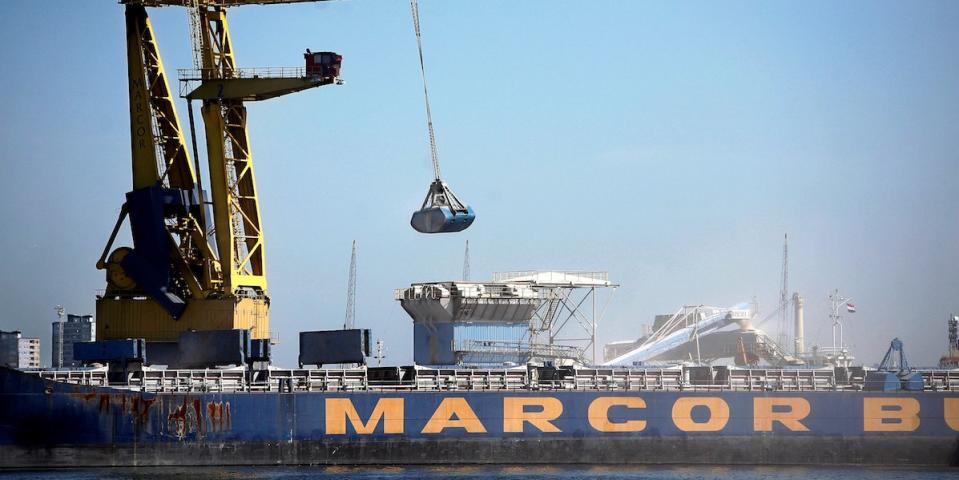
(495, 473)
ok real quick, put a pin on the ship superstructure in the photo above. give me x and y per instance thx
(518, 317)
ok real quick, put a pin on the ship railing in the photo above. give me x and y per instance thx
(781, 379)
(493, 292)
(675, 379)
(940, 380)
(190, 380)
(326, 380)
(471, 379)
(481, 293)
(255, 72)
(191, 78)
(465, 379)
(497, 294)
(616, 379)
(553, 277)
(313, 380)
(507, 349)
(91, 377)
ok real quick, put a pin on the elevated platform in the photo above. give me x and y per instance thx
(249, 84)
(446, 302)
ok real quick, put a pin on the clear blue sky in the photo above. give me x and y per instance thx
(670, 143)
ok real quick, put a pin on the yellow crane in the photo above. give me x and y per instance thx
(189, 269)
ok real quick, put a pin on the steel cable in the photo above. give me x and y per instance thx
(429, 114)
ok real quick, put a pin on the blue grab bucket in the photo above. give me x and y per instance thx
(442, 212)
(442, 220)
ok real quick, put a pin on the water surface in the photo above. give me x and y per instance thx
(485, 472)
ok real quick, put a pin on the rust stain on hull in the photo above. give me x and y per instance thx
(188, 418)
(218, 416)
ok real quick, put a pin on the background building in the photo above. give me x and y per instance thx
(19, 352)
(9, 348)
(77, 328)
(29, 353)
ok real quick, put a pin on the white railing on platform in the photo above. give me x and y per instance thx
(550, 277)
(519, 378)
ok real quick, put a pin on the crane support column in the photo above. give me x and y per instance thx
(236, 207)
(154, 125)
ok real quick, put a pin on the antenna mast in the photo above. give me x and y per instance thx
(784, 295)
(351, 293)
(60, 311)
(380, 354)
(466, 262)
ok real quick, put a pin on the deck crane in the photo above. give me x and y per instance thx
(191, 269)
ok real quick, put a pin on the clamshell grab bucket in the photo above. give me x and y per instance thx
(442, 212)
(441, 220)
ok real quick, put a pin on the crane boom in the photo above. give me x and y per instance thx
(159, 149)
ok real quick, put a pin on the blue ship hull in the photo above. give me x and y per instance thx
(52, 424)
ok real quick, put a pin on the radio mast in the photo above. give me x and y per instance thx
(466, 262)
(351, 293)
(784, 296)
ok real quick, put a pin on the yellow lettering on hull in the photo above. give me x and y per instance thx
(515, 414)
(598, 414)
(951, 413)
(890, 414)
(764, 413)
(387, 410)
(718, 414)
(454, 412)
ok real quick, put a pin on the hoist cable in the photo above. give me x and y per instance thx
(429, 114)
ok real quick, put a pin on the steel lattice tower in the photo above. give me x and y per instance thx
(784, 296)
(351, 293)
(466, 262)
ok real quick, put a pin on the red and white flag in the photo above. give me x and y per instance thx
(850, 308)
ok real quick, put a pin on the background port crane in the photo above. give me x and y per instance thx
(350, 318)
(191, 268)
